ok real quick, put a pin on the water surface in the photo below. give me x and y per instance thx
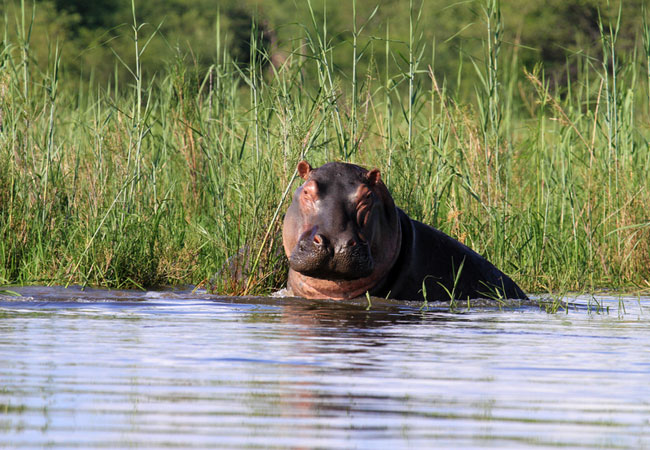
(93, 368)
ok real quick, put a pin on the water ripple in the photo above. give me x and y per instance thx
(112, 369)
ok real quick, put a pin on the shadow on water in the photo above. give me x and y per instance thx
(355, 313)
(340, 315)
(344, 314)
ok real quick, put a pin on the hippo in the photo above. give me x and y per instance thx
(345, 238)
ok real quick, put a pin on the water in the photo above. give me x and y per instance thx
(121, 369)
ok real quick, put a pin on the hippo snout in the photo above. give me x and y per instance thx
(318, 256)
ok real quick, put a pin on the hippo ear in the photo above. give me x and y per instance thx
(374, 177)
(304, 169)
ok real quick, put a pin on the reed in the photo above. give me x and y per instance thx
(170, 179)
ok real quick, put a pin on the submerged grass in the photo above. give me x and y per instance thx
(150, 182)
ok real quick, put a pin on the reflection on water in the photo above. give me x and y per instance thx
(176, 369)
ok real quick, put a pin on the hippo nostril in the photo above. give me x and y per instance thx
(347, 246)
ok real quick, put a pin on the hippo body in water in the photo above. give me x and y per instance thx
(344, 237)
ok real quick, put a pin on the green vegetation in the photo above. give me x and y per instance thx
(147, 169)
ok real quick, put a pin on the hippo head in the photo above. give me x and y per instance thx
(341, 232)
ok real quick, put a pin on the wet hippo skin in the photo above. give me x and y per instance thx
(344, 237)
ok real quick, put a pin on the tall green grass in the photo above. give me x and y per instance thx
(150, 182)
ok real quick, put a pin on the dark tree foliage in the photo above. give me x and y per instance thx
(246, 32)
(551, 32)
(92, 13)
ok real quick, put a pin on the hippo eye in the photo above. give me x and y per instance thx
(309, 192)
